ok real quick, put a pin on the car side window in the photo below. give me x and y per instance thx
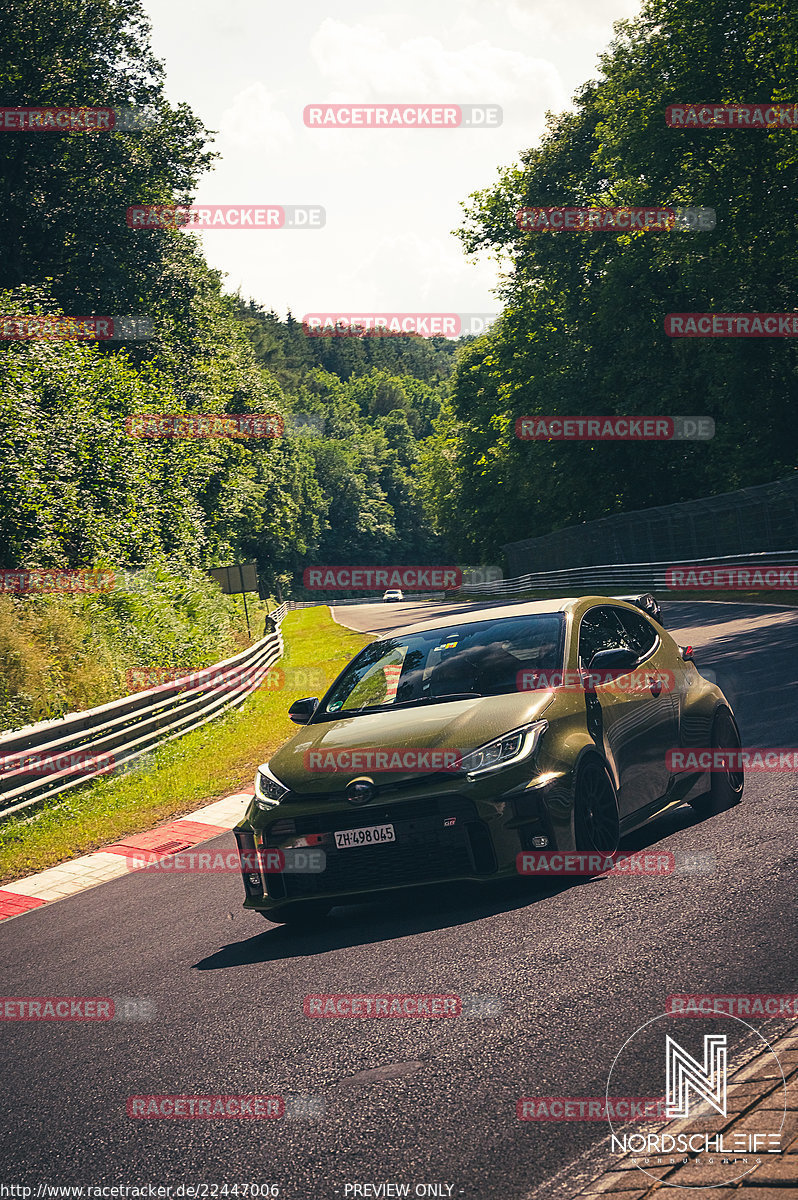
(601, 630)
(641, 633)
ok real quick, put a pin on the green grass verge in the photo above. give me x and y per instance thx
(206, 765)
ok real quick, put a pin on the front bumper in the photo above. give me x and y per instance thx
(458, 834)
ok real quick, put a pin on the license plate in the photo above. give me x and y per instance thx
(370, 835)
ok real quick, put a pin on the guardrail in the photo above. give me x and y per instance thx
(623, 576)
(116, 733)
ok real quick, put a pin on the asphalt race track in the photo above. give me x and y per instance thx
(575, 966)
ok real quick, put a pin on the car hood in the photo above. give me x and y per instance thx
(460, 725)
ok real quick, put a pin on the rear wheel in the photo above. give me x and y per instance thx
(726, 787)
(299, 915)
(596, 821)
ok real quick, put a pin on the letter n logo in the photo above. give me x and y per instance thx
(683, 1072)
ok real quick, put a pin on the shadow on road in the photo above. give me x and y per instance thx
(757, 668)
(438, 907)
(695, 614)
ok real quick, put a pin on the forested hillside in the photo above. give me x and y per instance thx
(79, 490)
(582, 330)
(410, 454)
(374, 399)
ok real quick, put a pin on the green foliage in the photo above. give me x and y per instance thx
(64, 653)
(79, 490)
(360, 476)
(582, 329)
(63, 196)
(289, 353)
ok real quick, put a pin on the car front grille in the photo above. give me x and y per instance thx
(426, 849)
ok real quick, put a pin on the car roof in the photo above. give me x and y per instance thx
(518, 609)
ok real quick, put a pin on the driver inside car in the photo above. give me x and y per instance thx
(487, 670)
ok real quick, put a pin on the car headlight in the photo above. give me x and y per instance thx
(504, 751)
(268, 789)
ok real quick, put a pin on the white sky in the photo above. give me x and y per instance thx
(392, 197)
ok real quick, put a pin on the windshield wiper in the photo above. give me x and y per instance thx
(437, 699)
(355, 712)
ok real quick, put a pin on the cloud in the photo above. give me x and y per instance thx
(253, 122)
(359, 62)
(427, 275)
(582, 18)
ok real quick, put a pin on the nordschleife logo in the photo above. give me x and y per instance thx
(705, 1072)
(684, 1074)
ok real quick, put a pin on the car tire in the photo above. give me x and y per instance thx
(298, 915)
(596, 819)
(726, 787)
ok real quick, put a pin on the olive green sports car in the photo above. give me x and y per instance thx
(444, 751)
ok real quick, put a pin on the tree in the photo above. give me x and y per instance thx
(582, 328)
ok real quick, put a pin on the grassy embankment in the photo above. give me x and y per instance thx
(214, 761)
(63, 653)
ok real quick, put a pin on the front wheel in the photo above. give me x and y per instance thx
(596, 821)
(726, 788)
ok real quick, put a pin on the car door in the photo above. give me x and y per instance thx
(631, 715)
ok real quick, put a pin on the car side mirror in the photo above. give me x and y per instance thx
(687, 653)
(301, 711)
(618, 659)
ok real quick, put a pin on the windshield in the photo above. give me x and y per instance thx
(480, 658)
